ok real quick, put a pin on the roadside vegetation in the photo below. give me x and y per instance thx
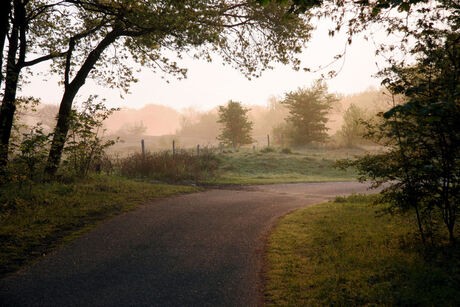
(181, 166)
(348, 253)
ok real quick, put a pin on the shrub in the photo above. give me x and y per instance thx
(286, 151)
(164, 166)
(85, 144)
(267, 149)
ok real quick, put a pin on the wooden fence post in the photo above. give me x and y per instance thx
(143, 148)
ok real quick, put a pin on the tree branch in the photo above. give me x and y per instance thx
(44, 58)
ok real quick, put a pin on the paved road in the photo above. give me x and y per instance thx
(201, 249)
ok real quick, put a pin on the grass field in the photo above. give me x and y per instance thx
(36, 219)
(258, 167)
(344, 254)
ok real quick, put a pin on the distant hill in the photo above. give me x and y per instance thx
(158, 119)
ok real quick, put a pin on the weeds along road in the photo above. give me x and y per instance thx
(202, 249)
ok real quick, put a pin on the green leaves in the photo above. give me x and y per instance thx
(421, 164)
(236, 128)
(308, 108)
(85, 145)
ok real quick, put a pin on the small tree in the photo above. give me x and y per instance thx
(353, 128)
(236, 128)
(85, 147)
(308, 108)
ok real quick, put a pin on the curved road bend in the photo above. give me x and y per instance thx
(200, 249)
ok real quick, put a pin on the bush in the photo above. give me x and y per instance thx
(164, 166)
(286, 151)
(267, 149)
(85, 144)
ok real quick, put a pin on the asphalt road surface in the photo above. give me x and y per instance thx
(202, 249)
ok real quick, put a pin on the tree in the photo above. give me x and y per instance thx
(85, 145)
(421, 166)
(353, 128)
(308, 108)
(27, 25)
(144, 30)
(236, 128)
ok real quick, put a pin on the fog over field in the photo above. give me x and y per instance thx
(160, 124)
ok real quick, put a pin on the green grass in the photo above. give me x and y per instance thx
(249, 167)
(344, 254)
(36, 219)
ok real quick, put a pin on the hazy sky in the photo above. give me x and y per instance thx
(212, 84)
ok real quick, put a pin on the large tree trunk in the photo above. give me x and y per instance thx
(7, 114)
(5, 9)
(71, 90)
(61, 130)
(11, 81)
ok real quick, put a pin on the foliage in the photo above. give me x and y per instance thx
(28, 162)
(346, 253)
(281, 132)
(85, 147)
(28, 147)
(35, 221)
(353, 128)
(308, 108)
(236, 128)
(164, 166)
(267, 149)
(286, 150)
(421, 166)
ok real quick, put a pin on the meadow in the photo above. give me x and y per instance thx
(274, 165)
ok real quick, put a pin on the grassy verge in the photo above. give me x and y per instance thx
(36, 219)
(342, 253)
(248, 167)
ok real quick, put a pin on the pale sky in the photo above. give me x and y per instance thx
(212, 84)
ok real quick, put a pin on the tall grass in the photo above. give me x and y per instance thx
(165, 166)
